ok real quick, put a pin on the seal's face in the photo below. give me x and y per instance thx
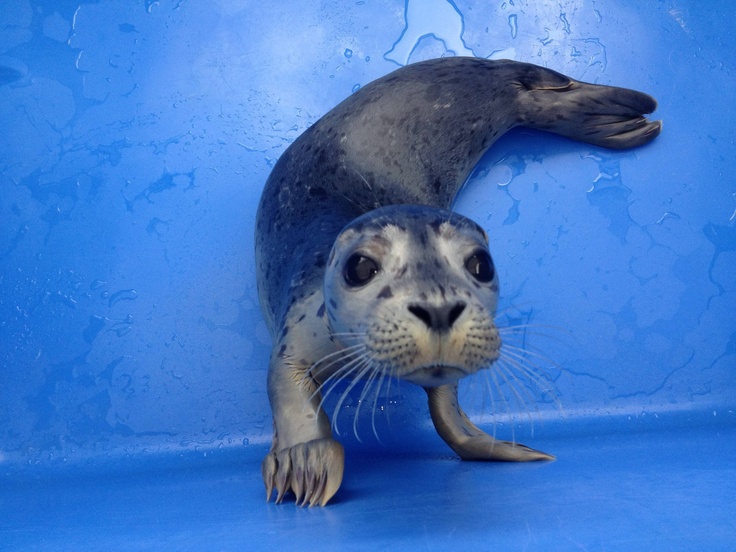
(412, 292)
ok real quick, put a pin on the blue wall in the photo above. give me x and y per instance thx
(135, 138)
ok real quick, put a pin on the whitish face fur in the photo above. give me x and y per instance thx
(414, 288)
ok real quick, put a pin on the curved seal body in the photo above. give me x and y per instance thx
(363, 271)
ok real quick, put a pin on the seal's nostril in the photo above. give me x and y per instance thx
(455, 313)
(438, 318)
(422, 314)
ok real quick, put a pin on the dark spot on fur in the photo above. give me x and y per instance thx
(385, 293)
(321, 311)
(436, 226)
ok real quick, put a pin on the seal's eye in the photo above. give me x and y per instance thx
(480, 266)
(359, 270)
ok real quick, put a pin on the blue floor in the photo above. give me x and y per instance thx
(653, 490)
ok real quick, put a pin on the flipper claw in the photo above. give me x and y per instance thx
(312, 471)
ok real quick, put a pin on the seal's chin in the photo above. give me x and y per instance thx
(435, 375)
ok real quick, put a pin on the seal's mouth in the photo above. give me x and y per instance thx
(435, 375)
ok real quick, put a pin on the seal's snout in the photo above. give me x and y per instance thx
(438, 318)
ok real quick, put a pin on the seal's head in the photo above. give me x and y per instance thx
(415, 291)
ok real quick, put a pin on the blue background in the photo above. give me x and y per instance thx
(135, 138)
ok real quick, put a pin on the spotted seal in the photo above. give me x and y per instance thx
(363, 271)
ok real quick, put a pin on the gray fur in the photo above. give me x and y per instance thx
(411, 137)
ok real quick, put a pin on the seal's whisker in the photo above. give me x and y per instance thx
(375, 403)
(536, 377)
(524, 353)
(530, 325)
(342, 373)
(365, 367)
(492, 395)
(555, 334)
(518, 400)
(354, 376)
(390, 376)
(523, 396)
(517, 307)
(493, 375)
(522, 336)
(341, 356)
(513, 368)
(372, 373)
(527, 365)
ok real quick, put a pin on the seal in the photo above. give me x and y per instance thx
(363, 270)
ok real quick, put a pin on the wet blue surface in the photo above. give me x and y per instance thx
(135, 138)
(668, 490)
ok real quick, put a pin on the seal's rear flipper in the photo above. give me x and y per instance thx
(605, 116)
(465, 438)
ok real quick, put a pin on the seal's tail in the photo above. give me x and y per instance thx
(601, 115)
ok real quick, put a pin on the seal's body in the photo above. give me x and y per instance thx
(363, 271)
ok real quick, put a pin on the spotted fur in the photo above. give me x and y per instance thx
(377, 174)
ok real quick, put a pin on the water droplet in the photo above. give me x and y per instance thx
(439, 19)
(547, 40)
(513, 25)
(667, 215)
(348, 53)
(123, 295)
(565, 23)
(356, 88)
(97, 284)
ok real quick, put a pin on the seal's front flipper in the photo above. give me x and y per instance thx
(605, 116)
(465, 438)
(304, 458)
(312, 471)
